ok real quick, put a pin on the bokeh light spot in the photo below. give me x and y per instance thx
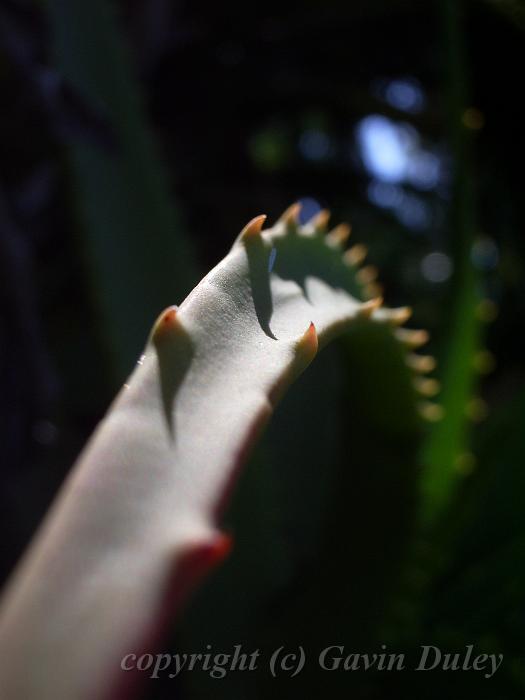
(436, 267)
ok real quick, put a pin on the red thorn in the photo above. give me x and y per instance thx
(290, 217)
(320, 220)
(190, 568)
(310, 339)
(166, 323)
(205, 556)
(253, 228)
(220, 549)
(170, 314)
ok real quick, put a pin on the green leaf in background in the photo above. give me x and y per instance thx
(447, 453)
(136, 247)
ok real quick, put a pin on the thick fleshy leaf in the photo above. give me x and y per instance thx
(135, 526)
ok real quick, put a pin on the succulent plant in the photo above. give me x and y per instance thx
(137, 523)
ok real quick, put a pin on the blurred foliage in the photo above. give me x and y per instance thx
(131, 227)
(351, 528)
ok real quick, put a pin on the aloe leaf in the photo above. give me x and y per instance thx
(136, 524)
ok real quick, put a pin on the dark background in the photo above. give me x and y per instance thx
(403, 117)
